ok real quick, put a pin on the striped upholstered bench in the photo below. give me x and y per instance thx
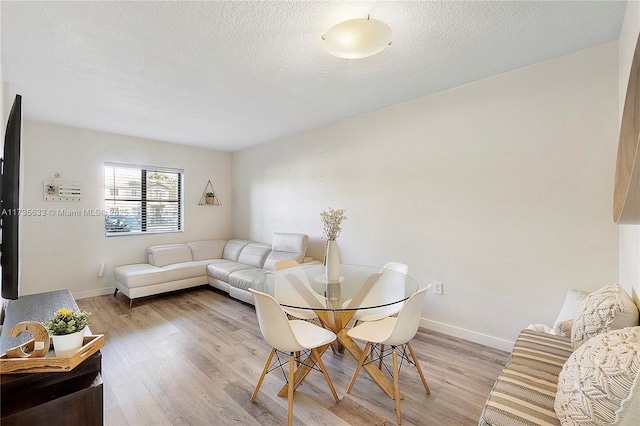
(547, 382)
(525, 391)
(541, 351)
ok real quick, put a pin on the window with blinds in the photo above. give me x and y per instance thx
(141, 199)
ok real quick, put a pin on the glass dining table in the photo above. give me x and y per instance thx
(364, 289)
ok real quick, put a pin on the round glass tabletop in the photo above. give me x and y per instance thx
(359, 287)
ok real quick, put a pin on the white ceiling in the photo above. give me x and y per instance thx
(229, 75)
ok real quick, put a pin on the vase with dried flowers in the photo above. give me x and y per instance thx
(66, 327)
(332, 221)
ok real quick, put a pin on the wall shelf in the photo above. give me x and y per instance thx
(205, 201)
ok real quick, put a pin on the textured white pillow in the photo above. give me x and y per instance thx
(564, 321)
(608, 308)
(600, 382)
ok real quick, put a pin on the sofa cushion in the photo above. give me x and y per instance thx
(608, 308)
(601, 380)
(564, 321)
(277, 256)
(287, 246)
(254, 254)
(185, 270)
(291, 243)
(521, 395)
(242, 279)
(541, 351)
(139, 275)
(203, 250)
(233, 248)
(220, 270)
(164, 255)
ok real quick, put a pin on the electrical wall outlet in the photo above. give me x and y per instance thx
(438, 287)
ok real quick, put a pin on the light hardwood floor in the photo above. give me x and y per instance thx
(194, 357)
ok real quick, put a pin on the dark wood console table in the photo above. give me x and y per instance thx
(71, 398)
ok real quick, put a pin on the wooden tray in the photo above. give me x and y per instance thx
(50, 363)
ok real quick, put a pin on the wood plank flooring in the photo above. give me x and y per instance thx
(194, 357)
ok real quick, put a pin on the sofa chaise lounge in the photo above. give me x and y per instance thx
(230, 266)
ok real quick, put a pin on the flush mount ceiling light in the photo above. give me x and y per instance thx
(357, 38)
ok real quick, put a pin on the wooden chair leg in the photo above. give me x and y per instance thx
(381, 355)
(290, 393)
(363, 357)
(318, 359)
(415, 360)
(297, 358)
(396, 383)
(264, 373)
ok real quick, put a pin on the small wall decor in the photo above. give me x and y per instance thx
(209, 196)
(61, 190)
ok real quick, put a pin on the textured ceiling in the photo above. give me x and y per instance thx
(228, 75)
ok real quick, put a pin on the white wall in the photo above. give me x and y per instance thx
(65, 251)
(501, 189)
(629, 234)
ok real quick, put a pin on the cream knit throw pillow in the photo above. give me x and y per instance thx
(595, 313)
(600, 382)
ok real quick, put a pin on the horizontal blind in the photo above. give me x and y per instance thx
(142, 199)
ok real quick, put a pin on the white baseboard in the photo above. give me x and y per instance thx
(93, 293)
(472, 336)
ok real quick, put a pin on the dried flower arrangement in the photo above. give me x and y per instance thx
(332, 221)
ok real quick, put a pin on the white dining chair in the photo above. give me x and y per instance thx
(289, 336)
(305, 314)
(396, 332)
(284, 290)
(284, 264)
(389, 286)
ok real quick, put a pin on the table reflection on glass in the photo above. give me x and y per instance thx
(369, 288)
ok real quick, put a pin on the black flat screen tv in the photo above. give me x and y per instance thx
(10, 202)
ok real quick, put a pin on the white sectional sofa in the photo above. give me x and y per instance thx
(230, 266)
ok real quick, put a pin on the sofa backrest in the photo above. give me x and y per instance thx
(284, 246)
(233, 248)
(168, 254)
(254, 254)
(287, 246)
(205, 250)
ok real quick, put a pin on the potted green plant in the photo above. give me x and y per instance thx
(66, 327)
(210, 197)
